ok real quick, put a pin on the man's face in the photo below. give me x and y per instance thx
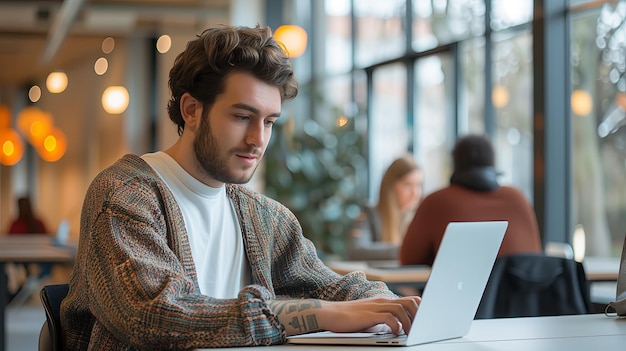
(233, 134)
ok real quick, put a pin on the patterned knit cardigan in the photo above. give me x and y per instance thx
(134, 283)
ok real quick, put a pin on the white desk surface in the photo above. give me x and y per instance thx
(572, 333)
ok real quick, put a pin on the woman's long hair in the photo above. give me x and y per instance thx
(393, 221)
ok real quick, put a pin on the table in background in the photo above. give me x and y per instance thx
(38, 249)
(596, 269)
(385, 271)
(573, 333)
(601, 272)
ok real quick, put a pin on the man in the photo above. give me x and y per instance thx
(474, 194)
(174, 254)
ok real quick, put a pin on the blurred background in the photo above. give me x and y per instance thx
(83, 82)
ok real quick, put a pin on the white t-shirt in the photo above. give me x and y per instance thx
(212, 227)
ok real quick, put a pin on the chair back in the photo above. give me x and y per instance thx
(559, 249)
(529, 285)
(51, 297)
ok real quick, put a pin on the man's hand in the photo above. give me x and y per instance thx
(308, 315)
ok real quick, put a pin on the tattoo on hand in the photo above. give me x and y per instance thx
(290, 306)
(303, 322)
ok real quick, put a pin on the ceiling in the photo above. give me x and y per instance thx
(39, 36)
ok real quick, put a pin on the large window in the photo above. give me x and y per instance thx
(380, 32)
(465, 80)
(414, 75)
(437, 23)
(434, 84)
(598, 104)
(471, 105)
(338, 37)
(512, 100)
(389, 135)
(506, 13)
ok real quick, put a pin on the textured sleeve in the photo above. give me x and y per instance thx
(142, 290)
(296, 269)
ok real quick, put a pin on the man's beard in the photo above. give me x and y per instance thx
(210, 157)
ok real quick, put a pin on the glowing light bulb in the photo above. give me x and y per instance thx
(56, 82)
(293, 38)
(115, 99)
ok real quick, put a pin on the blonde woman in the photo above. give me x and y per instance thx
(378, 231)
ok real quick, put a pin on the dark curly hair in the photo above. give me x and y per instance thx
(203, 67)
(473, 151)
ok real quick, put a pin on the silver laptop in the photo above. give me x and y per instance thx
(452, 294)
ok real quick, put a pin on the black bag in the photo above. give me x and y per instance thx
(619, 305)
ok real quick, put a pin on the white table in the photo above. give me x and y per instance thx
(572, 333)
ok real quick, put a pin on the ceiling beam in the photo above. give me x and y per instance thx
(61, 25)
(159, 10)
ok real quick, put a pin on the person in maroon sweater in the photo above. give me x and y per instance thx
(473, 195)
(26, 221)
